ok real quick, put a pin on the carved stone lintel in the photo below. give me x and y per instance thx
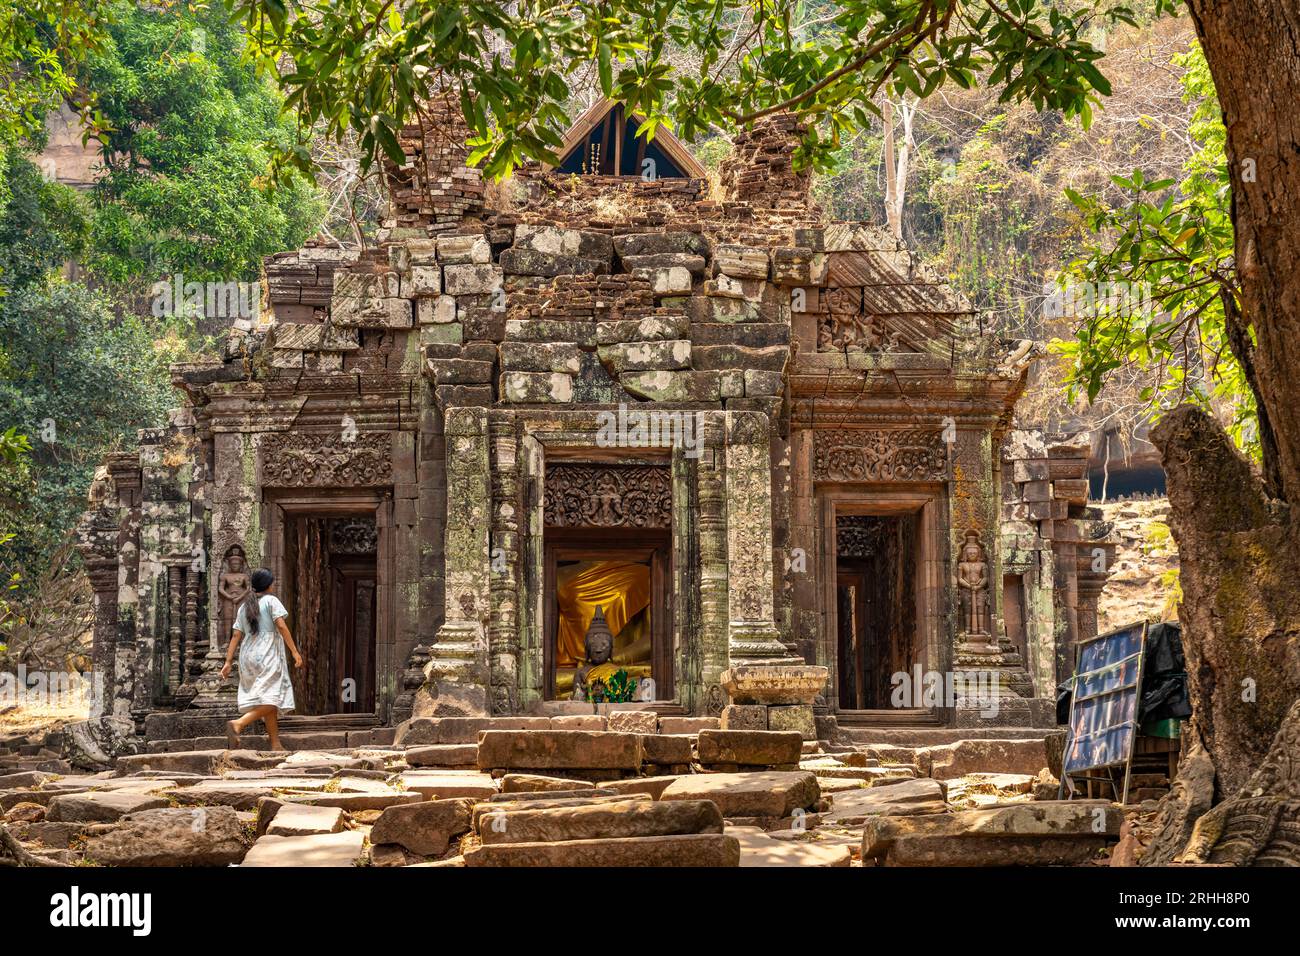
(315, 459)
(608, 496)
(867, 454)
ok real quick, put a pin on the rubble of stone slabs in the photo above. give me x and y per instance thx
(1065, 833)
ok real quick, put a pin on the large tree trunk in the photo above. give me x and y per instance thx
(1238, 538)
(1240, 572)
(1252, 49)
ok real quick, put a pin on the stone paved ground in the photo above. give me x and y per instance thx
(541, 797)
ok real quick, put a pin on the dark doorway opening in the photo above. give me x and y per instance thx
(1013, 611)
(331, 577)
(875, 579)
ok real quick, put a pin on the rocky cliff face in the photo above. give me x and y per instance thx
(1144, 582)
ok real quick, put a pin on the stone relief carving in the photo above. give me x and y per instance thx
(973, 587)
(232, 586)
(865, 454)
(296, 459)
(857, 536)
(607, 496)
(354, 536)
(846, 326)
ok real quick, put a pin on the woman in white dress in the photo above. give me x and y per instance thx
(261, 636)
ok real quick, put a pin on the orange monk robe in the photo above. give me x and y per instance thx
(621, 588)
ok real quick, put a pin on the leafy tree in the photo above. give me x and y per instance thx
(185, 152)
(41, 44)
(78, 380)
(367, 65)
(43, 224)
(1170, 248)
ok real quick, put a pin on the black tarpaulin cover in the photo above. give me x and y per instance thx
(1164, 678)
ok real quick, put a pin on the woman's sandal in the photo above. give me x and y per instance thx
(232, 735)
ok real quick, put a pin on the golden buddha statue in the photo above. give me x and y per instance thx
(599, 665)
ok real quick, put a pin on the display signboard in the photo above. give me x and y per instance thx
(1104, 708)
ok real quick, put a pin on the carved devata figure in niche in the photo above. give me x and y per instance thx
(231, 587)
(973, 586)
(604, 642)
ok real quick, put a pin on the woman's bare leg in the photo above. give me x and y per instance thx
(272, 721)
(257, 713)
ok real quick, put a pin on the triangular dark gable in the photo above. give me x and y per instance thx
(598, 153)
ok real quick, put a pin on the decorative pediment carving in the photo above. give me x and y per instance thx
(297, 459)
(867, 454)
(884, 318)
(607, 496)
(857, 333)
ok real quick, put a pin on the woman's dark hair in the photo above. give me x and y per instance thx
(262, 579)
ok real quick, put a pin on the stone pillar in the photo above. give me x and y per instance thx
(507, 503)
(97, 539)
(235, 519)
(752, 634)
(457, 674)
(710, 480)
(767, 687)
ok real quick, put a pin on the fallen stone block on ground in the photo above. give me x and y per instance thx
(1028, 834)
(325, 849)
(695, 850)
(947, 761)
(538, 783)
(443, 755)
(750, 748)
(620, 818)
(767, 793)
(498, 809)
(105, 806)
(852, 807)
(305, 820)
(758, 848)
(208, 836)
(446, 785)
(426, 829)
(559, 750)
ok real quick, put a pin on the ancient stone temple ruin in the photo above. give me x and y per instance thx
(605, 434)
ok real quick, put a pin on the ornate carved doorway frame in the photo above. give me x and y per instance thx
(543, 444)
(929, 503)
(279, 507)
(594, 510)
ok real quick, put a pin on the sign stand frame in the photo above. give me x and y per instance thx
(1090, 774)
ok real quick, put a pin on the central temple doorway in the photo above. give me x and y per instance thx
(329, 585)
(623, 576)
(876, 562)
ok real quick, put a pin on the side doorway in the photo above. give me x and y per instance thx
(327, 562)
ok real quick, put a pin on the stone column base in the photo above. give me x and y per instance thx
(456, 677)
(756, 642)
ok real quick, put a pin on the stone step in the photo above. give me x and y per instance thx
(929, 736)
(190, 724)
(292, 739)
